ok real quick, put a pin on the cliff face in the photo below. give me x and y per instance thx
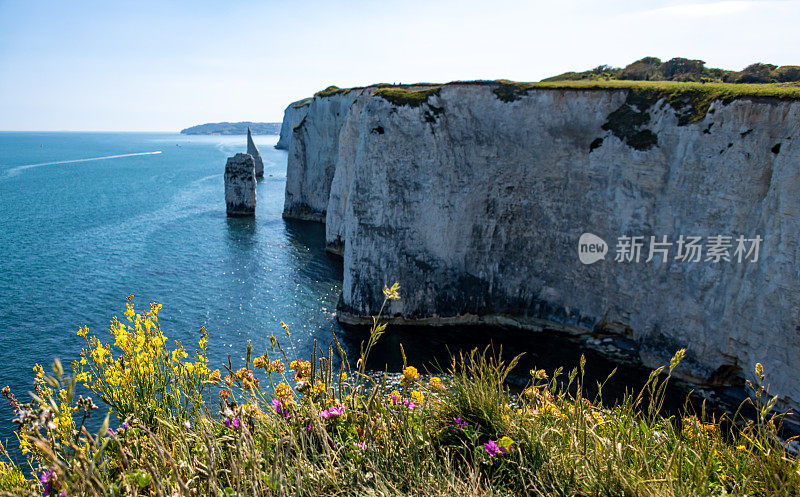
(475, 204)
(292, 116)
(314, 153)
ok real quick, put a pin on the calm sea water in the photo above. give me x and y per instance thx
(77, 237)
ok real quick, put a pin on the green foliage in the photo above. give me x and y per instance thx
(303, 103)
(726, 92)
(404, 96)
(321, 427)
(684, 70)
(330, 91)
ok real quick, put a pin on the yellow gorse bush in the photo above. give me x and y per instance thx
(138, 373)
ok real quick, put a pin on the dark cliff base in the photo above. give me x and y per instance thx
(611, 361)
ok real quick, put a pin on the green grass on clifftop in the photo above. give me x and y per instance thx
(723, 91)
(698, 96)
(406, 96)
(331, 90)
(689, 99)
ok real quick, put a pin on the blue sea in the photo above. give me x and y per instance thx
(89, 218)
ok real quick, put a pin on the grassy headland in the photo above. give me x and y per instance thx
(686, 84)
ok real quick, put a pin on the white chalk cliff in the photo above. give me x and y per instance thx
(474, 200)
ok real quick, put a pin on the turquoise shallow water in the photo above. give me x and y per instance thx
(77, 237)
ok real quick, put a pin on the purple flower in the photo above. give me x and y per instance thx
(282, 411)
(125, 425)
(460, 424)
(46, 480)
(361, 445)
(232, 422)
(110, 431)
(408, 403)
(493, 449)
(333, 411)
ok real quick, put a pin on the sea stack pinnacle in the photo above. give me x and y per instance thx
(240, 185)
(253, 150)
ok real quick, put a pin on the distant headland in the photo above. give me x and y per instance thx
(233, 129)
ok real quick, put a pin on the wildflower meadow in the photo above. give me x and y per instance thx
(323, 425)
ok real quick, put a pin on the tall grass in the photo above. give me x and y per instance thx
(281, 425)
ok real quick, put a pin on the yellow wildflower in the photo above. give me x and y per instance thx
(99, 353)
(597, 417)
(410, 374)
(391, 293)
(283, 391)
(302, 369)
(179, 354)
(215, 376)
(417, 397)
(276, 366)
(538, 374)
(259, 362)
(436, 383)
(129, 312)
(550, 409)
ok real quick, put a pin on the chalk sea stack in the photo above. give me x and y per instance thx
(240, 185)
(253, 150)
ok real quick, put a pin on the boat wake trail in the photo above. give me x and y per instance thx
(16, 170)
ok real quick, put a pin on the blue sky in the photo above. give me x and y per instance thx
(162, 66)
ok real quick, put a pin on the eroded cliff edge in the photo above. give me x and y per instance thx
(474, 196)
(292, 116)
